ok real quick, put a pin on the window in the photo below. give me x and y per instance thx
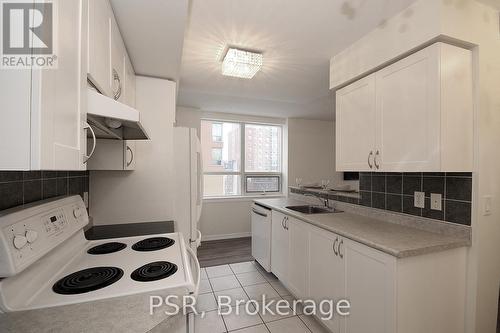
(241, 158)
(216, 156)
(216, 132)
(259, 184)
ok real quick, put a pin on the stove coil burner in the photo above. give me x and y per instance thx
(107, 248)
(86, 280)
(153, 244)
(154, 271)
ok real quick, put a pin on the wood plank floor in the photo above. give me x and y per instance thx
(226, 251)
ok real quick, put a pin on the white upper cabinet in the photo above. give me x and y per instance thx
(116, 155)
(43, 111)
(355, 128)
(109, 67)
(99, 60)
(118, 52)
(129, 86)
(423, 114)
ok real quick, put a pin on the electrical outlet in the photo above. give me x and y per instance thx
(419, 199)
(436, 201)
(86, 199)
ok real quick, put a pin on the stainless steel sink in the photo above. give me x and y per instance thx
(310, 209)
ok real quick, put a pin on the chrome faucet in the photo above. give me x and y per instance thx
(324, 201)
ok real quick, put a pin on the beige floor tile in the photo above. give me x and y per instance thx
(275, 311)
(205, 287)
(253, 329)
(224, 283)
(257, 291)
(288, 325)
(210, 323)
(236, 294)
(244, 267)
(250, 278)
(206, 302)
(299, 308)
(216, 271)
(280, 288)
(235, 321)
(203, 274)
(313, 324)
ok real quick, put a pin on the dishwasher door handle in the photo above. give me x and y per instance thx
(258, 213)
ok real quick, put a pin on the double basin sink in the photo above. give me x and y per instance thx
(311, 209)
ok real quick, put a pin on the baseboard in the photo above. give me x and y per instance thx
(225, 236)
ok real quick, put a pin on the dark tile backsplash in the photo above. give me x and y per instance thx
(23, 187)
(395, 192)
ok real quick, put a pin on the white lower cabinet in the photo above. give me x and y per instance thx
(280, 246)
(298, 257)
(369, 286)
(326, 272)
(424, 293)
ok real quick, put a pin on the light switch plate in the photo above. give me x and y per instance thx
(487, 202)
(86, 199)
(419, 199)
(436, 201)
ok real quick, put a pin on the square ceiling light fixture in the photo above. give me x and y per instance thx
(241, 63)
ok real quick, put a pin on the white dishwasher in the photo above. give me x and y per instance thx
(261, 235)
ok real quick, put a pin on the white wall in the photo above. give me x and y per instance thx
(225, 219)
(144, 194)
(311, 151)
(479, 24)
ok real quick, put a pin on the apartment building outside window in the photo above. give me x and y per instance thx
(241, 158)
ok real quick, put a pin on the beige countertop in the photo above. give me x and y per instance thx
(392, 238)
(120, 314)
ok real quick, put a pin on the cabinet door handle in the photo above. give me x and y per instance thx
(86, 126)
(339, 249)
(286, 223)
(369, 159)
(131, 156)
(335, 246)
(283, 223)
(116, 78)
(377, 154)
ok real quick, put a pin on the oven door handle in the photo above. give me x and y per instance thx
(198, 271)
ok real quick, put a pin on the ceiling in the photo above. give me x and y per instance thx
(298, 38)
(153, 32)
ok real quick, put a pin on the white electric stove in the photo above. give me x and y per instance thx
(47, 262)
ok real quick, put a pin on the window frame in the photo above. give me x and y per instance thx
(242, 173)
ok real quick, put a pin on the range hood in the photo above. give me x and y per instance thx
(111, 119)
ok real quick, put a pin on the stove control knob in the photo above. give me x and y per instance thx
(77, 212)
(31, 236)
(20, 241)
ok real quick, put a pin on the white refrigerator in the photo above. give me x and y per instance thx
(188, 184)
